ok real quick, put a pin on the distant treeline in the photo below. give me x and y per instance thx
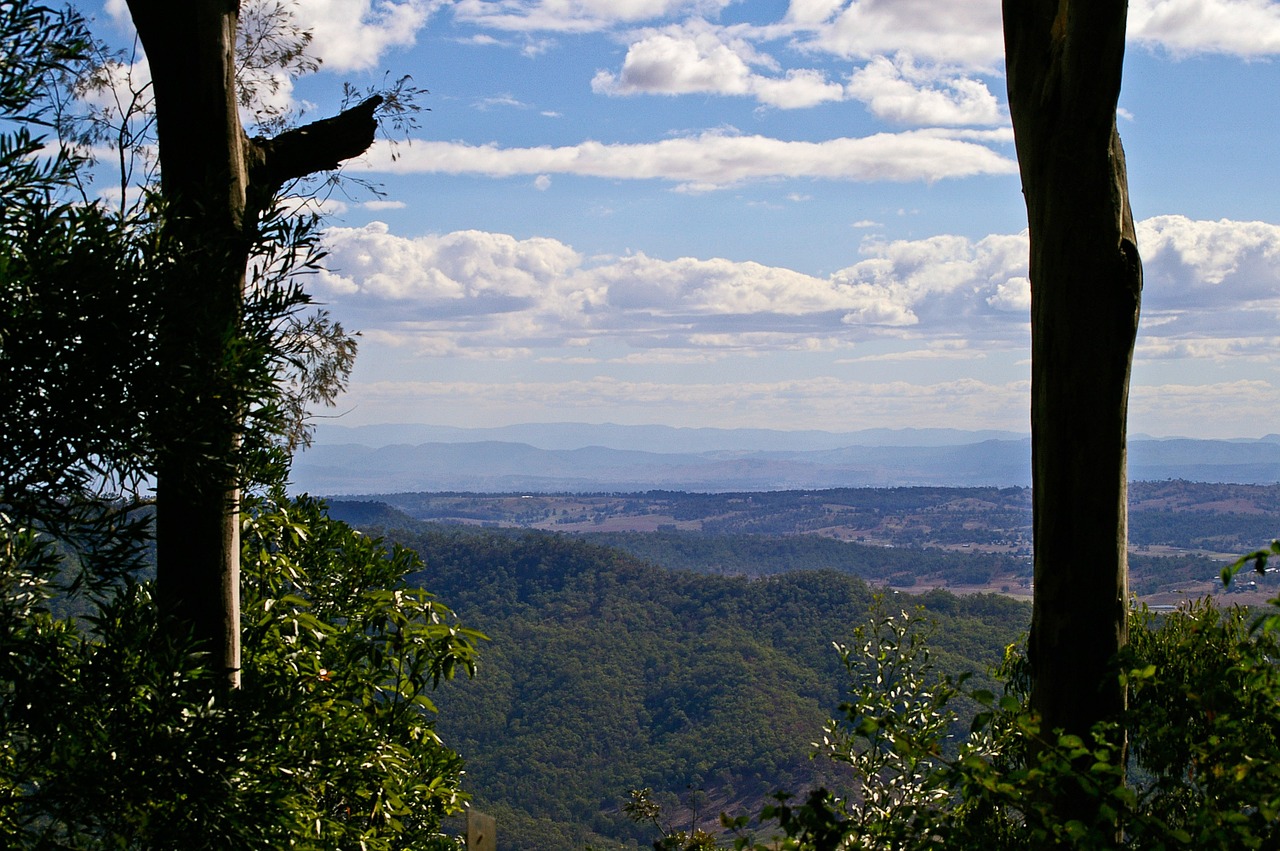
(760, 555)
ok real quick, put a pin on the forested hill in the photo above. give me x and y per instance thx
(606, 674)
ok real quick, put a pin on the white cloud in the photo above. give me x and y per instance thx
(712, 160)
(1204, 410)
(542, 182)
(812, 12)
(473, 292)
(1209, 281)
(900, 92)
(968, 34)
(1213, 292)
(687, 286)
(347, 35)
(352, 35)
(1187, 256)
(696, 60)
(1236, 27)
(1012, 295)
(939, 350)
(667, 63)
(948, 282)
(383, 204)
(965, 33)
(467, 271)
(504, 100)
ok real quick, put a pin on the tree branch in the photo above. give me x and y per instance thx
(319, 146)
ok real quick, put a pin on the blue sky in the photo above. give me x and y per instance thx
(789, 215)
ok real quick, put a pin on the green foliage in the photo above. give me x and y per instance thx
(75, 343)
(895, 723)
(108, 735)
(606, 674)
(113, 735)
(83, 289)
(340, 657)
(1202, 725)
(1207, 726)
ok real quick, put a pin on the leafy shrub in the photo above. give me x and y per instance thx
(113, 735)
(1194, 761)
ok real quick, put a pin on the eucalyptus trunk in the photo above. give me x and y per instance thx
(213, 181)
(1063, 59)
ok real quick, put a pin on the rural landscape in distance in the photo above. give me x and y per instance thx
(973, 505)
(679, 638)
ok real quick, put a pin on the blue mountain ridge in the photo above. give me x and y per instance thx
(569, 457)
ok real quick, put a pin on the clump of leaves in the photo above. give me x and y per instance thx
(112, 734)
(1203, 767)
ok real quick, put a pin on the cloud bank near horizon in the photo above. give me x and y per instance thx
(1212, 291)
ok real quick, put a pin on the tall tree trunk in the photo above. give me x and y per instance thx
(190, 47)
(1063, 59)
(213, 182)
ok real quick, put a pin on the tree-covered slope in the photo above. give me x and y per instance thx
(606, 674)
(756, 555)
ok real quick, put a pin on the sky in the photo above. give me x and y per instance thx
(771, 214)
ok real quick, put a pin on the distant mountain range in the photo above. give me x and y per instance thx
(651, 438)
(575, 457)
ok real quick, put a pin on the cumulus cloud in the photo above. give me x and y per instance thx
(1212, 291)
(900, 92)
(347, 35)
(965, 33)
(687, 287)
(1190, 257)
(713, 160)
(959, 33)
(1207, 280)
(947, 282)
(352, 35)
(461, 273)
(689, 60)
(1237, 27)
(486, 292)
(1212, 294)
